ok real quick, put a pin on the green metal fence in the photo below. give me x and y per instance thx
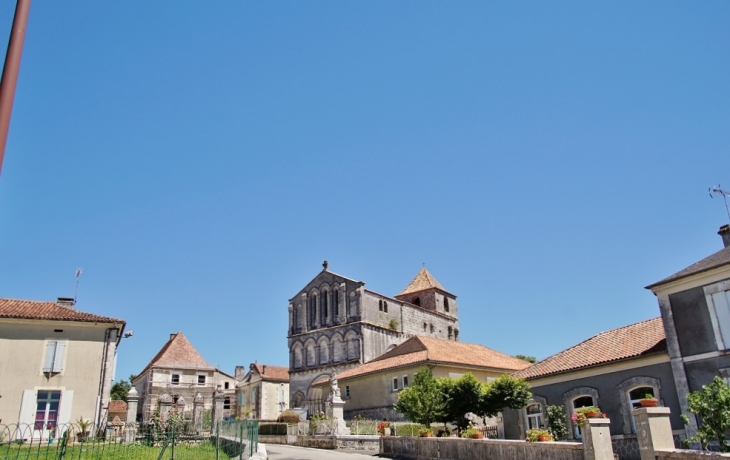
(229, 440)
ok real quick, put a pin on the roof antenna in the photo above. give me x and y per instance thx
(716, 190)
(78, 276)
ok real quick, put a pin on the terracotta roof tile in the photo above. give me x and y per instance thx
(178, 353)
(718, 259)
(117, 406)
(278, 373)
(417, 350)
(32, 309)
(630, 341)
(423, 281)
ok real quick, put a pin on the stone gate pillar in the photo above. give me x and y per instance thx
(597, 439)
(165, 404)
(654, 431)
(131, 422)
(198, 412)
(217, 407)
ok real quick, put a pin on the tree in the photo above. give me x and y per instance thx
(529, 359)
(462, 395)
(423, 401)
(121, 388)
(712, 405)
(556, 422)
(506, 392)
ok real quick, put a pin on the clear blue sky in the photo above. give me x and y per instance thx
(546, 160)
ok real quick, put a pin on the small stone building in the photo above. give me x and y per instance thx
(263, 392)
(336, 324)
(181, 372)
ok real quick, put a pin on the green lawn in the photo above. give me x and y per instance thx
(100, 451)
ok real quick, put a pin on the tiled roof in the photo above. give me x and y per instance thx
(117, 406)
(178, 353)
(644, 338)
(278, 373)
(423, 280)
(720, 258)
(427, 350)
(32, 309)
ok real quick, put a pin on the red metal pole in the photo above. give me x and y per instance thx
(10, 71)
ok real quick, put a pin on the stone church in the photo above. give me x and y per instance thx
(336, 324)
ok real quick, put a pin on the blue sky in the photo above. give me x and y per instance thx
(545, 160)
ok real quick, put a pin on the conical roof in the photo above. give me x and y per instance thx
(423, 281)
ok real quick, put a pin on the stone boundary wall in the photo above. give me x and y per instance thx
(349, 442)
(688, 454)
(415, 448)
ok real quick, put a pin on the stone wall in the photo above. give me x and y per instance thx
(414, 319)
(688, 455)
(412, 448)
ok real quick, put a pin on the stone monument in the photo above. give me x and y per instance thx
(335, 405)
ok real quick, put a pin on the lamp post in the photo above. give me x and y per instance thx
(10, 71)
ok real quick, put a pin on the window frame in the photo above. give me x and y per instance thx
(404, 382)
(172, 379)
(347, 391)
(537, 416)
(198, 382)
(395, 384)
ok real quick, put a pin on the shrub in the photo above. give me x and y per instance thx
(288, 416)
(556, 421)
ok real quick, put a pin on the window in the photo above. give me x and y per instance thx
(451, 332)
(312, 310)
(242, 398)
(580, 401)
(253, 395)
(226, 403)
(175, 379)
(721, 304)
(636, 395)
(534, 416)
(385, 306)
(225, 385)
(417, 301)
(425, 326)
(324, 306)
(54, 356)
(380, 305)
(432, 329)
(405, 381)
(201, 380)
(335, 303)
(446, 304)
(46, 413)
(456, 334)
(395, 383)
(347, 391)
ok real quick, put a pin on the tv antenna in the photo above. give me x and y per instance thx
(716, 190)
(79, 271)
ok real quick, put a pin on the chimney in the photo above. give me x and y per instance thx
(66, 302)
(263, 371)
(724, 232)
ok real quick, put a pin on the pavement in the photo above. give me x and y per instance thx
(284, 452)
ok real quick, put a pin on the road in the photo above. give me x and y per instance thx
(283, 452)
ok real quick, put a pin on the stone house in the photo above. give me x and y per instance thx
(179, 371)
(668, 357)
(371, 389)
(263, 392)
(612, 370)
(336, 324)
(56, 363)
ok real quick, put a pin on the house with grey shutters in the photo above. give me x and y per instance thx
(668, 357)
(336, 324)
(695, 308)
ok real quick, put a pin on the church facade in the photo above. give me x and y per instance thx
(336, 324)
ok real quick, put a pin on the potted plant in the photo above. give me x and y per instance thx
(649, 401)
(472, 432)
(84, 425)
(539, 435)
(425, 432)
(583, 413)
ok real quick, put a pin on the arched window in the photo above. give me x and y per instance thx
(446, 304)
(636, 395)
(385, 306)
(380, 305)
(298, 399)
(312, 310)
(335, 302)
(298, 356)
(417, 301)
(581, 401)
(534, 416)
(325, 303)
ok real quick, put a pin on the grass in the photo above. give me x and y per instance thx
(105, 451)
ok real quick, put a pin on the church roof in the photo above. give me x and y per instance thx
(178, 353)
(632, 341)
(428, 351)
(423, 281)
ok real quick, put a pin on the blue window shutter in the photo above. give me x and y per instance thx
(50, 353)
(58, 359)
